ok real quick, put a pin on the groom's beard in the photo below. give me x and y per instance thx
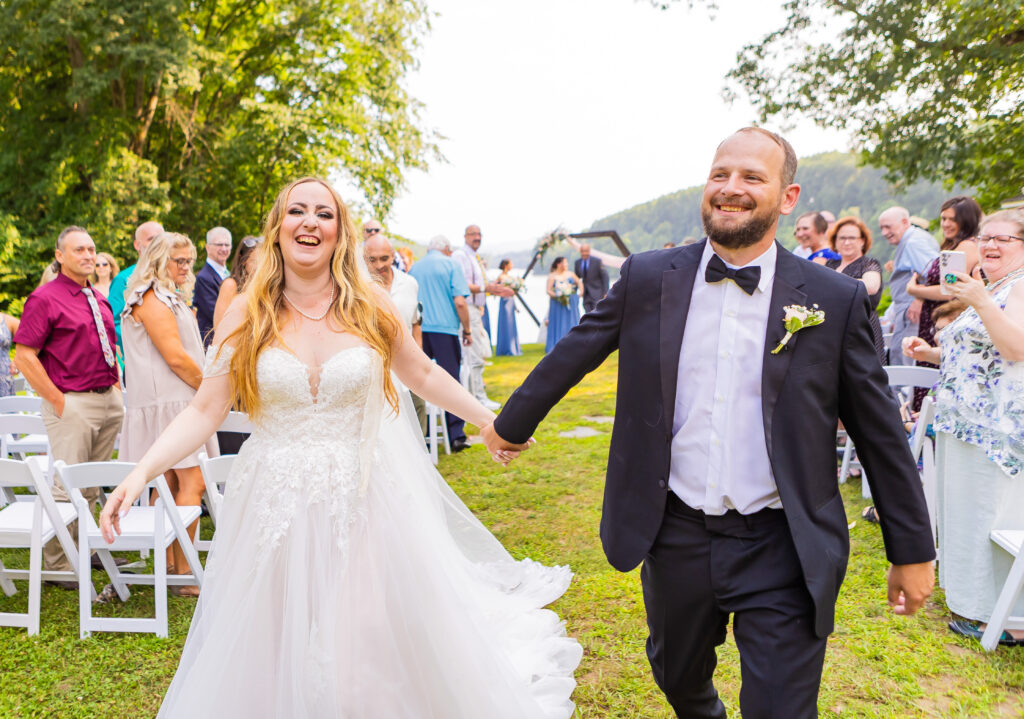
(737, 237)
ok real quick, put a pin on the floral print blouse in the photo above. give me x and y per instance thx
(980, 396)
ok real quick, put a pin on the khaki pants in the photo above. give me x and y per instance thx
(84, 433)
(474, 356)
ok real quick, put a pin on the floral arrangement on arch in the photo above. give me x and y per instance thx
(551, 239)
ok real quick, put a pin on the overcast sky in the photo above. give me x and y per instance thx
(564, 111)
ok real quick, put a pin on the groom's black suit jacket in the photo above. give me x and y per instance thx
(827, 372)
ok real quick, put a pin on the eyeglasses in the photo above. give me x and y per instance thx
(850, 239)
(1003, 240)
(182, 262)
(252, 241)
(218, 244)
(103, 264)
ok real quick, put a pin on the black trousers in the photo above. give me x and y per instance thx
(447, 351)
(700, 570)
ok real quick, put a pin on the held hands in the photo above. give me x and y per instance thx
(909, 586)
(118, 503)
(502, 450)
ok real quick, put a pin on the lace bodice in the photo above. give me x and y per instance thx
(312, 443)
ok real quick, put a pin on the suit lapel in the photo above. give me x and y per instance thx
(785, 291)
(676, 289)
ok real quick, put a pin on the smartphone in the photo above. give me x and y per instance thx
(950, 261)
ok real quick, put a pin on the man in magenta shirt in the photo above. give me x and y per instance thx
(65, 348)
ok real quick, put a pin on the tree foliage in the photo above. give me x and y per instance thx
(928, 88)
(829, 181)
(195, 112)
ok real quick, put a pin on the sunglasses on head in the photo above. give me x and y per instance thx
(252, 241)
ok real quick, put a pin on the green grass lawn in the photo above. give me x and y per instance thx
(547, 506)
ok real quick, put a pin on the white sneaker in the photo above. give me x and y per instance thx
(490, 404)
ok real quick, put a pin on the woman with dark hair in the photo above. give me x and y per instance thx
(564, 307)
(851, 238)
(242, 267)
(959, 220)
(507, 344)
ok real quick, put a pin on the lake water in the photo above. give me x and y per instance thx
(536, 297)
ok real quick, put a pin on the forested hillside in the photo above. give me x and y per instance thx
(830, 181)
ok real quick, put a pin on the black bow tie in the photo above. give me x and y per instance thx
(746, 277)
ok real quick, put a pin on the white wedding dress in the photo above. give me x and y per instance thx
(346, 580)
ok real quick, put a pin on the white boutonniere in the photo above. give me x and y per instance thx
(797, 317)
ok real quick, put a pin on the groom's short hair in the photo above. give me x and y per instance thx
(790, 162)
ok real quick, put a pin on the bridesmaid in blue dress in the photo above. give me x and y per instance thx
(564, 306)
(507, 344)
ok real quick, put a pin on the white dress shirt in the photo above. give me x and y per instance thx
(223, 271)
(405, 292)
(719, 456)
(473, 270)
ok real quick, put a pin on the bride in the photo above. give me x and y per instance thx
(346, 580)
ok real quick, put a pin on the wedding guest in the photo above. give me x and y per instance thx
(242, 266)
(475, 357)
(144, 234)
(209, 279)
(407, 258)
(163, 353)
(851, 239)
(508, 334)
(371, 228)
(404, 291)
(594, 277)
(49, 274)
(8, 327)
(564, 306)
(443, 294)
(915, 249)
(979, 426)
(812, 233)
(64, 347)
(606, 259)
(106, 271)
(959, 221)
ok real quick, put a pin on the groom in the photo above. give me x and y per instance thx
(722, 469)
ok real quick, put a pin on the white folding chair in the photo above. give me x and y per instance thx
(154, 528)
(22, 431)
(215, 476)
(30, 525)
(437, 429)
(1012, 540)
(236, 422)
(900, 377)
(13, 429)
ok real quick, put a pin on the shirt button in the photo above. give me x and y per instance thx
(731, 313)
(723, 355)
(661, 483)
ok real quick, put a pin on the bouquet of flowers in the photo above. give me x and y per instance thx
(551, 239)
(563, 291)
(516, 283)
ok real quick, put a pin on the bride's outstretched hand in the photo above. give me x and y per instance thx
(117, 505)
(501, 449)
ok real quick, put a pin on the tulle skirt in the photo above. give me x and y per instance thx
(406, 608)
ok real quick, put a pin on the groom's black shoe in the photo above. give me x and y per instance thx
(459, 445)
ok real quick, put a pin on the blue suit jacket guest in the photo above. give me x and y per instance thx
(204, 299)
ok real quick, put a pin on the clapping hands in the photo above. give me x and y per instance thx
(501, 449)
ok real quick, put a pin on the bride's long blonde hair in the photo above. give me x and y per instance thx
(354, 308)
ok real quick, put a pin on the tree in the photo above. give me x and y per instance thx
(196, 112)
(929, 89)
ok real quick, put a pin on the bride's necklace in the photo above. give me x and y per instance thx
(311, 317)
